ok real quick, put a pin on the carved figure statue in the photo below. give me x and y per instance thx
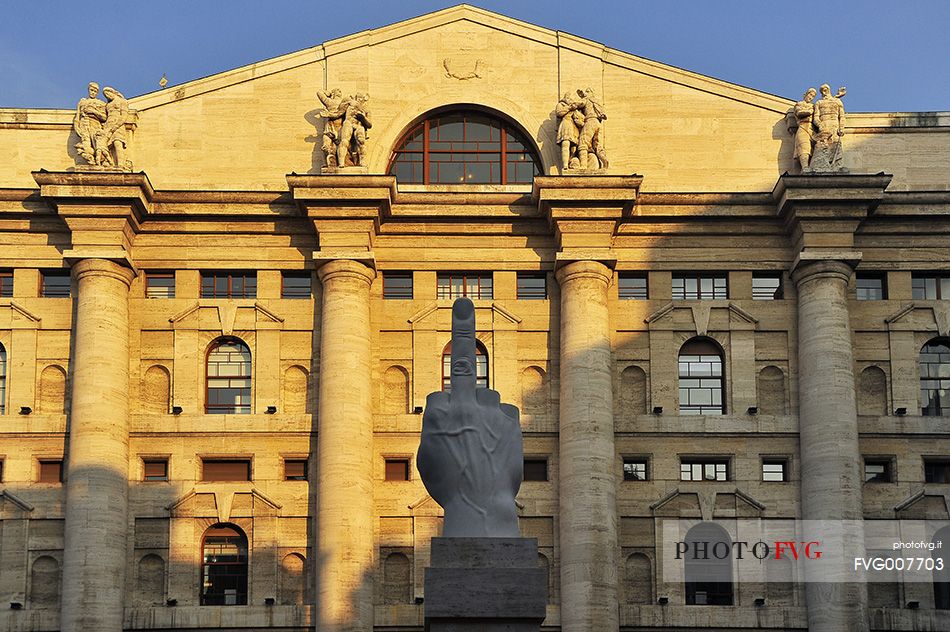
(334, 120)
(829, 126)
(569, 130)
(90, 115)
(471, 455)
(799, 121)
(590, 151)
(345, 130)
(101, 127)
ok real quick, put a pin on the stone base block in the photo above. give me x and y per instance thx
(344, 171)
(485, 585)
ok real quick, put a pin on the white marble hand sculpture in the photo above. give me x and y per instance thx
(471, 457)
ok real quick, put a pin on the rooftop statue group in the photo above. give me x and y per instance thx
(346, 128)
(818, 127)
(101, 127)
(579, 131)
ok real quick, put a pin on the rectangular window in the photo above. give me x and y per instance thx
(397, 286)
(704, 470)
(55, 283)
(775, 470)
(877, 471)
(632, 286)
(937, 471)
(930, 287)
(1, 470)
(703, 287)
(397, 469)
(634, 469)
(229, 284)
(532, 287)
(51, 471)
(474, 285)
(295, 470)
(6, 284)
(155, 469)
(766, 286)
(159, 285)
(870, 287)
(535, 469)
(225, 470)
(295, 285)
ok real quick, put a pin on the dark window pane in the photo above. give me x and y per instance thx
(766, 287)
(295, 470)
(934, 364)
(704, 470)
(160, 285)
(56, 284)
(870, 287)
(51, 472)
(397, 469)
(632, 287)
(224, 567)
(6, 284)
(296, 285)
(877, 471)
(225, 470)
(532, 286)
(937, 471)
(690, 286)
(535, 469)
(228, 284)
(397, 285)
(634, 470)
(156, 470)
(456, 285)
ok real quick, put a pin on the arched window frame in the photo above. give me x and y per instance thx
(709, 580)
(221, 575)
(934, 363)
(481, 366)
(432, 143)
(214, 373)
(701, 372)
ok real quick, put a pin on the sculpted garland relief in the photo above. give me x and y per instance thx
(818, 127)
(101, 127)
(346, 128)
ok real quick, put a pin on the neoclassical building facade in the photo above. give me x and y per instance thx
(223, 304)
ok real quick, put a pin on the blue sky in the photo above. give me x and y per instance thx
(892, 56)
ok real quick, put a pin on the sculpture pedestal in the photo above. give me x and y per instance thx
(485, 585)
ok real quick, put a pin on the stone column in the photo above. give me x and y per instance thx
(831, 459)
(94, 557)
(586, 486)
(345, 546)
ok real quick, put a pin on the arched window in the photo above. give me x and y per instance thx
(224, 566)
(709, 578)
(464, 147)
(481, 366)
(229, 377)
(935, 378)
(3, 380)
(701, 378)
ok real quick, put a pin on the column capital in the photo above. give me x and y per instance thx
(346, 268)
(102, 268)
(810, 264)
(586, 269)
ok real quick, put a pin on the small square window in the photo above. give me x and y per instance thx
(535, 469)
(155, 469)
(870, 287)
(775, 470)
(704, 470)
(766, 286)
(532, 287)
(937, 471)
(55, 284)
(295, 285)
(635, 469)
(159, 285)
(397, 469)
(295, 470)
(213, 470)
(6, 284)
(397, 286)
(229, 284)
(632, 287)
(51, 471)
(877, 471)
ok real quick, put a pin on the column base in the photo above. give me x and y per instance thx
(485, 585)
